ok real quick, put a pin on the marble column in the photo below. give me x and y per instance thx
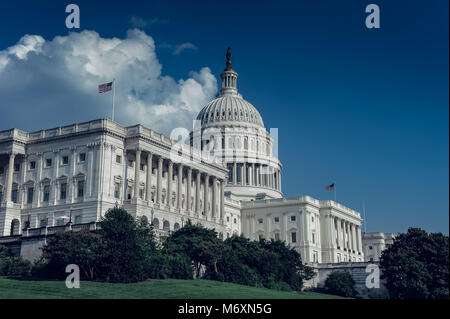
(169, 184)
(234, 173)
(253, 175)
(159, 180)
(9, 180)
(148, 182)
(188, 189)
(180, 182)
(279, 181)
(137, 173)
(205, 203)
(222, 199)
(197, 192)
(244, 173)
(339, 232)
(214, 198)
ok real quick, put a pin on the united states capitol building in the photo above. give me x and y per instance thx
(226, 176)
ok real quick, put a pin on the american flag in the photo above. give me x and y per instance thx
(102, 88)
(330, 187)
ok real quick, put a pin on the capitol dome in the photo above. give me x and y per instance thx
(232, 132)
(229, 108)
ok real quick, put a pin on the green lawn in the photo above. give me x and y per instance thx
(154, 289)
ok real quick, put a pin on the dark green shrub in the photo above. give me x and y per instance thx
(340, 283)
(14, 267)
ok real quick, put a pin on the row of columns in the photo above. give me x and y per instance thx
(256, 175)
(215, 212)
(348, 235)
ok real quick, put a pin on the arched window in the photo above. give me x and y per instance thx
(245, 143)
(166, 226)
(176, 226)
(144, 219)
(156, 223)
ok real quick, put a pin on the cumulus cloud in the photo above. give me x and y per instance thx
(50, 83)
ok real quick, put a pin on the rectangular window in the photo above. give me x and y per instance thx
(16, 167)
(230, 173)
(293, 218)
(294, 237)
(235, 220)
(30, 194)
(313, 238)
(142, 167)
(118, 159)
(82, 157)
(77, 219)
(60, 221)
(228, 218)
(80, 189)
(43, 222)
(46, 193)
(48, 162)
(276, 219)
(65, 160)
(260, 220)
(14, 195)
(277, 236)
(63, 193)
(32, 165)
(117, 190)
(141, 193)
(261, 237)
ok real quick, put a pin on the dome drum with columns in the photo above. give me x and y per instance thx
(235, 127)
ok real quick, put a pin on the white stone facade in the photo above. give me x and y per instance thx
(79, 171)
(375, 243)
(228, 178)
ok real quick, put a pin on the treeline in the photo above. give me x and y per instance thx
(125, 250)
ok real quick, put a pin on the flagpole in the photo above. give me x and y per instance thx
(113, 98)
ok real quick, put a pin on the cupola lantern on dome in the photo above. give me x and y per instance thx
(229, 78)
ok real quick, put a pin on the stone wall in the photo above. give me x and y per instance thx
(359, 274)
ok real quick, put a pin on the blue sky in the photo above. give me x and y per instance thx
(366, 109)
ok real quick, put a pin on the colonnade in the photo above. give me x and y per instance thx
(185, 173)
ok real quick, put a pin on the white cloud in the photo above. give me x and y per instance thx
(184, 46)
(139, 22)
(49, 83)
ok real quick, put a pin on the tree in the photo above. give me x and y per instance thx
(416, 265)
(292, 270)
(340, 283)
(11, 265)
(191, 240)
(130, 245)
(4, 252)
(85, 249)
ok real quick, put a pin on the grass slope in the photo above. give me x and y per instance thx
(154, 289)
